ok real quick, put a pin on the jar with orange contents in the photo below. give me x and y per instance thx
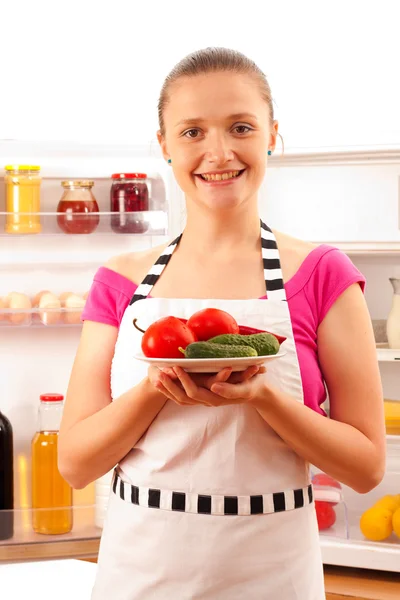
(78, 211)
(22, 199)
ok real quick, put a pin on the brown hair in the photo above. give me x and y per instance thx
(213, 60)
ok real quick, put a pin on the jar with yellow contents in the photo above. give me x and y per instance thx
(22, 199)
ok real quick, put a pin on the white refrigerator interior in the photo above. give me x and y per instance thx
(351, 201)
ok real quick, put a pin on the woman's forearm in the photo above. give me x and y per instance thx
(338, 449)
(95, 445)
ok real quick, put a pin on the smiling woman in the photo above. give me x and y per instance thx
(211, 496)
(220, 155)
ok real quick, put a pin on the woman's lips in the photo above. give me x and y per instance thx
(220, 181)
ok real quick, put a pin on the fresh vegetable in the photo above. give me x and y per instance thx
(207, 350)
(326, 516)
(326, 480)
(164, 337)
(209, 322)
(243, 330)
(264, 343)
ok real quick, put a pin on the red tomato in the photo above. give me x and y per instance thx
(209, 322)
(165, 336)
(323, 479)
(326, 515)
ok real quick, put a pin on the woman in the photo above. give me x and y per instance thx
(211, 498)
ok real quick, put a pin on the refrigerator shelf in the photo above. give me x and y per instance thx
(26, 544)
(386, 354)
(361, 554)
(40, 317)
(145, 223)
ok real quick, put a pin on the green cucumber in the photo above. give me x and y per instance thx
(265, 344)
(207, 350)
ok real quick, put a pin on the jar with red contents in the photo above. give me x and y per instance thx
(76, 207)
(129, 198)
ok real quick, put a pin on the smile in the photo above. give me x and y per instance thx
(220, 177)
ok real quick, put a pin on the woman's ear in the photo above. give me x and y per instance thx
(163, 145)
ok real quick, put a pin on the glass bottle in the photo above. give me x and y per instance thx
(129, 197)
(6, 479)
(393, 320)
(22, 199)
(51, 494)
(75, 207)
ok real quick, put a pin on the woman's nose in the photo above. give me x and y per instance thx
(219, 150)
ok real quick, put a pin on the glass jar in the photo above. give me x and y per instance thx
(75, 207)
(129, 196)
(22, 198)
(51, 494)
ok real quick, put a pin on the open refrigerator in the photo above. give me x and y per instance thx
(37, 347)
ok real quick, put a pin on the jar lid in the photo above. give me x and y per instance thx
(129, 176)
(22, 168)
(77, 183)
(51, 397)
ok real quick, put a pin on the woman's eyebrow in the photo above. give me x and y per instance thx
(193, 121)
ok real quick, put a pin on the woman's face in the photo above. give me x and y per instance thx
(217, 135)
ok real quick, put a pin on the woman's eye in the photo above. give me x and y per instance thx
(191, 133)
(242, 128)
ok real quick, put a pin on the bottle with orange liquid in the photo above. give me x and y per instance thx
(51, 494)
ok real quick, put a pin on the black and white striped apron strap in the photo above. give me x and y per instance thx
(212, 504)
(271, 262)
(144, 289)
(272, 265)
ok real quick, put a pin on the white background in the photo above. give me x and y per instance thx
(92, 70)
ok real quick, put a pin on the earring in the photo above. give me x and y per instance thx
(269, 152)
(169, 161)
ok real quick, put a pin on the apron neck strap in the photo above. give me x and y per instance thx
(270, 255)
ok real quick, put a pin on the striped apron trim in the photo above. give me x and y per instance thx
(271, 262)
(212, 505)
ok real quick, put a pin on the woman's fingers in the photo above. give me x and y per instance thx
(244, 375)
(179, 393)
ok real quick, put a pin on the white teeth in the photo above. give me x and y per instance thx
(220, 176)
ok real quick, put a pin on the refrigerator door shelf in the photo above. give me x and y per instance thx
(149, 223)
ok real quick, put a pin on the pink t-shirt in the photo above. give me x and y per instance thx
(322, 277)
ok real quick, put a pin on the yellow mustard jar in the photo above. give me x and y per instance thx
(22, 199)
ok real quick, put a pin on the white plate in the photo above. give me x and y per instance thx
(209, 365)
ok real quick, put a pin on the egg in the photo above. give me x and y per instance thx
(17, 302)
(63, 297)
(73, 317)
(2, 307)
(50, 302)
(36, 299)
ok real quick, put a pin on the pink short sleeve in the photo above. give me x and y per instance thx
(108, 297)
(335, 273)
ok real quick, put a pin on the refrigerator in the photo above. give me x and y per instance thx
(36, 358)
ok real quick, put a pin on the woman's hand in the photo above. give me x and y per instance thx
(218, 389)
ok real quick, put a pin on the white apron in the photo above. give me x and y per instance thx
(210, 504)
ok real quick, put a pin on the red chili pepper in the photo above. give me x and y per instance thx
(243, 330)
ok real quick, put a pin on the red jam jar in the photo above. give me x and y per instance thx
(129, 197)
(75, 207)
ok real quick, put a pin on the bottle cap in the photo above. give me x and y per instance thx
(51, 398)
